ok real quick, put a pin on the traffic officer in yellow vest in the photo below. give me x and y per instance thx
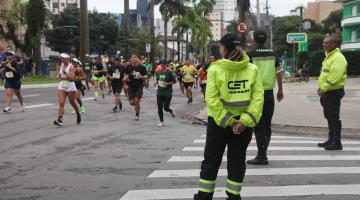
(235, 98)
(331, 90)
(270, 71)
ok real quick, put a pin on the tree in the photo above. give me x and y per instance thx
(36, 15)
(64, 37)
(169, 9)
(280, 27)
(127, 26)
(332, 24)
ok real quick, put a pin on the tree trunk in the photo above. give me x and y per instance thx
(152, 32)
(37, 53)
(187, 44)
(165, 38)
(127, 28)
(178, 45)
(84, 30)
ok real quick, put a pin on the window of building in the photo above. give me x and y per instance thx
(62, 4)
(353, 36)
(354, 10)
(55, 5)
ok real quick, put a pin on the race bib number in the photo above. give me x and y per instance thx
(9, 74)
(116, 75)
(96, 72)
(161, 83)
(65, 84)
(204, 81)
(87, 68)
(137, 75)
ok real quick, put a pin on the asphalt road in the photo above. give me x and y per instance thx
(111, 156)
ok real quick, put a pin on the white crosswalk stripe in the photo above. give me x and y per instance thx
(306, 150)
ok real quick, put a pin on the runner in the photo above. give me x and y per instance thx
(135, 75)
(164, 79)
(80, 88)
(109, 64)
(116, 74)
(203, 74)
(124, 82)
(66, 88)
(149, 69)
(87, 69)
(188, 71)
(179, 78)
(12, 84)
(99, 78)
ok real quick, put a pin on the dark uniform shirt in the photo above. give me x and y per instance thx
(133, 72)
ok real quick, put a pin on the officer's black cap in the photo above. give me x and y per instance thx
(260, 36)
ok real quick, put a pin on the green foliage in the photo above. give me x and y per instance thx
(18, 11)
(282, 26)
(65, 39)
(103, 31)
(332, 24)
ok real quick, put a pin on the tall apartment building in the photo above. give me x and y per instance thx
(228, 10)
(217, 25)
(321, 9)
(351, 25)
(57, 6)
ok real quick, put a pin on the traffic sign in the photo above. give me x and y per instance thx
(296, 37)
(303, 47)
(148, 49)
(242, 28)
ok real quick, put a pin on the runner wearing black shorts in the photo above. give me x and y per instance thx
(136, 73)
(116, 74)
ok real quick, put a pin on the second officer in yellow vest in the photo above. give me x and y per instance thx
(235, 98)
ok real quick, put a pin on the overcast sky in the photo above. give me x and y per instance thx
(277, 7)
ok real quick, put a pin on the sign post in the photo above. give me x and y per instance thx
(301, 40)
(148, 49)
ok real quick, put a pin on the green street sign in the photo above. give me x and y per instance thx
(296, 37)
(303, 47)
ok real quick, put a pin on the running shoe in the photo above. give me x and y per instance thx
(137, 118)
(22, 109)
(58, 122)
(7, 110)
(96, 99)
(82, 109)
(73, 112)
(115, 109)
(78, 118)
(161, 124)
(172, 114)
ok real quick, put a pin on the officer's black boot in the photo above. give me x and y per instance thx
(336, 143)
(203, 197)
(330, 137)
(260, 159)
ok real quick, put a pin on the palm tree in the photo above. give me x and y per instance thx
(169, 9)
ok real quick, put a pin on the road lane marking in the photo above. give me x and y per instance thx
(277, 158)
(283, 137)
(30, 95)
(276, 148)
(260, 172)
(290, 142)
(256, 191)
(39, 105)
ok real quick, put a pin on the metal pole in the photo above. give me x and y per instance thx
(241, 7)
(258, 15)
(127, 28)
(152, 32)
(294, 58)
(84, 30)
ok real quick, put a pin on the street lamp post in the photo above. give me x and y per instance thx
(84, 30)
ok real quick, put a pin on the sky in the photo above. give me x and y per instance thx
(277, 7)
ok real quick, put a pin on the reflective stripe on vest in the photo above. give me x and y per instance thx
(233, 187)
(206, 186)
(236, 104)
(251, 116)
(225, 119)
(263, 58)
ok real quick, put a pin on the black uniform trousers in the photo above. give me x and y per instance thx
(263, 129)
(217, 139)
(331, 102)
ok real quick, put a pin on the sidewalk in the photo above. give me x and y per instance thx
(300, 112)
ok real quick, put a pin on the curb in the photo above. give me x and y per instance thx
(36, 86)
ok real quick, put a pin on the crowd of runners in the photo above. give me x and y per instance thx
(107, 75)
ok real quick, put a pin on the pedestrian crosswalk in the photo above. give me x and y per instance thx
(298, 157)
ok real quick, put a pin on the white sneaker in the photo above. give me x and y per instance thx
(22, 109)
(161, 124)
(7, 110)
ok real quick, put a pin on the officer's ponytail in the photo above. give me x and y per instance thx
(234, 51)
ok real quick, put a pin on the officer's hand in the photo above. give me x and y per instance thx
(280, 96)
(320, 93)
(238, 127)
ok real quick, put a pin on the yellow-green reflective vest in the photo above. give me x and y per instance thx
(234, 89)
(333, 71)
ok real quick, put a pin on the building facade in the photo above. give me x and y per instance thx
(57, 6)
(351, 25)
(227, 8)
(143, 11)
(321, 9)
(216, 20)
